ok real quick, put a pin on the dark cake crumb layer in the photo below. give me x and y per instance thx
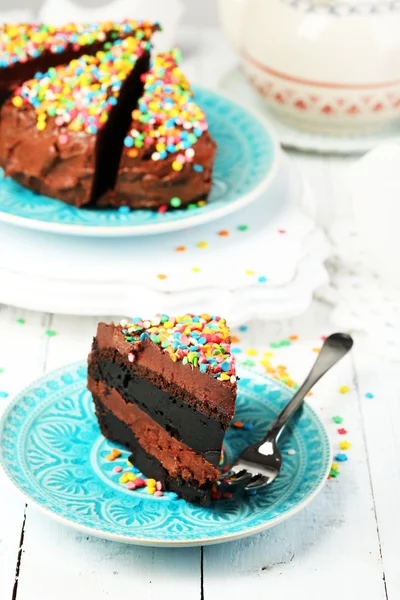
(175, 457)
(170, 410)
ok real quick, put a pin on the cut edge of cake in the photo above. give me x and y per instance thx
(166, 389)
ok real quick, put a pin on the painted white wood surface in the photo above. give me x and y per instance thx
(344, 545)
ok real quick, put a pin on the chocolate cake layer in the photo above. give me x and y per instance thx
(114, 429)
(211, 397)
(176, 416)
(176, 458)
(145, 183)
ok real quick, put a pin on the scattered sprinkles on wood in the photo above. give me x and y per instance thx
(202, 341)
(345, 445)
(344, 389)
(338, 420)
(341, 457)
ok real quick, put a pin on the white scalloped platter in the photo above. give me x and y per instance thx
(263, 261)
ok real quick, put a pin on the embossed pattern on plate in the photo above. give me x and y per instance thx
(53, 452)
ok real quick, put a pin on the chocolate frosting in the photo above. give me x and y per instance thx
(38, 161)
(217, 397)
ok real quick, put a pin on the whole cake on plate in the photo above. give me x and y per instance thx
(92, 121)
(166, 389)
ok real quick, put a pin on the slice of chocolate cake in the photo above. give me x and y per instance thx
(166, 389)
(61, 132)
(26, 49)
(168, 153)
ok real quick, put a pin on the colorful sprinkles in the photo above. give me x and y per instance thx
(22, 42)
(202, 341)
(131, 478)
(79, 96)
(167, 121)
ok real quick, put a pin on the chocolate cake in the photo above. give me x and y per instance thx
(27, 49)
(61, 133)
(102, 129)
(168, 153)
(166, 389)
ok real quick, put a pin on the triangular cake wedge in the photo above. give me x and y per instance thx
(62, 132)
(166, 389)
(26, 49)
(168, 153)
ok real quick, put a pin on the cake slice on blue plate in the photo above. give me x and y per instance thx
(166, 389)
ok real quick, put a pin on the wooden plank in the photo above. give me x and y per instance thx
(61, 562)
(58, 560)
(22, 356)
(381, 416)
(330, 549)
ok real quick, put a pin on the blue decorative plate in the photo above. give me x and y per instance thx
(246, 161)
(53, 452)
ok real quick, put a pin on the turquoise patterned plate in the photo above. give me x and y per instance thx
(246, 162)
(53, 452)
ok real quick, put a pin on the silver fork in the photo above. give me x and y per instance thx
(260, 464)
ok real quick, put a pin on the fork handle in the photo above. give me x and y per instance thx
(334, 348)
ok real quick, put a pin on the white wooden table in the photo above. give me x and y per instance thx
(344, 545)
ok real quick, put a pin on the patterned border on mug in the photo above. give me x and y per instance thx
(344, 8)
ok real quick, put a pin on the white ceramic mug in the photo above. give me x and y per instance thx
(325, 65)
